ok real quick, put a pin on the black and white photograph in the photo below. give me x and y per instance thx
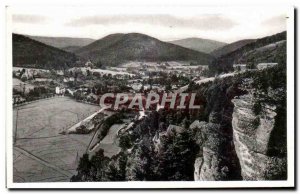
(106, 97)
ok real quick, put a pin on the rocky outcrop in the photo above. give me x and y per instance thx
(253, 145)
(252, 133)
(198, 166)
(216, 160)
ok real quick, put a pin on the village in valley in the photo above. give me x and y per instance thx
(126, 104)
(86, 83)
(58, 110)
(66, 102)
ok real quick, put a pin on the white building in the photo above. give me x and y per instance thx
(136, 86)
(60, 72)
(266, 65)
(240, 67)
(60, 90)
(66, 79)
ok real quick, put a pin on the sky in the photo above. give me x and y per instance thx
(220, 24)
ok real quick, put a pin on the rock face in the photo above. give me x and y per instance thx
(251, 143)
(198, 166)
(252, 136)
(215, 161)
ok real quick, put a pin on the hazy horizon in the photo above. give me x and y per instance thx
(140, 33)
(222, 25)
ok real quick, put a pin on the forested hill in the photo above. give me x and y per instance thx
(224, 63)
(230, 47)
(117, 48)
(31, 53)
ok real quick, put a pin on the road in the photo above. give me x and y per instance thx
(199, 82)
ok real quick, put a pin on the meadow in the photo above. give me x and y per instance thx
(41, 152)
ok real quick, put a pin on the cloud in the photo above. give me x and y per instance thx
(275, 21)
(203, 22)
(31, 19)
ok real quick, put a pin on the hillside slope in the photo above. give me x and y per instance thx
(274, 52)
(118, 48)
(71, 49)
(199, 44)
(225, 62)
(231, 47)
(61, 42)
(31, 53)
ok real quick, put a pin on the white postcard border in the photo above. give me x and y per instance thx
(161, 184)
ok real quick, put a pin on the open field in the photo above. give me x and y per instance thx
(103, 71)
(113, 73)
(41, 153)
(153, 64)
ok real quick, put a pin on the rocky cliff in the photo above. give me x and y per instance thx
(252, 137)
(215, 161)
(258, 131)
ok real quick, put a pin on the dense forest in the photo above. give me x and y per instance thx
(34, 54)
(115, 49)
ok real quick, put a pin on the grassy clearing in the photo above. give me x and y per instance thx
(38, 128)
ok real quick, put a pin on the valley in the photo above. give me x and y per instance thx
(61, 133)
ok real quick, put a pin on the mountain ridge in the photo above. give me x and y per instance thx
(61, 42)
(231, 47)
(199, 44)
(117, 48)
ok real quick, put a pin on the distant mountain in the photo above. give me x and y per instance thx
(31, 53)
(62, 42)
(243, 54)
(230, 47)
(117, 48)
(199, 44)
